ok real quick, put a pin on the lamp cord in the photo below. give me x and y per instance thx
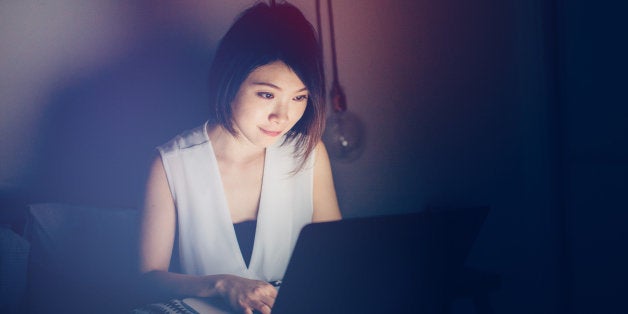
(333, 41)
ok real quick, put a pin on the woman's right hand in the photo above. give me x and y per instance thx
(246, 295)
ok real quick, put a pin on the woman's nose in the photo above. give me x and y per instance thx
(279, 114)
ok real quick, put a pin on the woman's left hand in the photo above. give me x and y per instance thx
(246, 295)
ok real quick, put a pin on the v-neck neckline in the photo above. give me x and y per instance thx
(227, 211)
(245, 234)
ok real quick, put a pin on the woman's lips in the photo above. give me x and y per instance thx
(270, 133)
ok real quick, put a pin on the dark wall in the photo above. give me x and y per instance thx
(593, 161)
(99, 134)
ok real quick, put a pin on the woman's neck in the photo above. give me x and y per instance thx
(232, 149)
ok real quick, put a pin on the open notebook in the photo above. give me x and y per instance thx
(383, 264)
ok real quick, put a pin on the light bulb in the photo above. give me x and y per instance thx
(344, 136)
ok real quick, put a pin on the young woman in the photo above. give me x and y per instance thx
(225, 201)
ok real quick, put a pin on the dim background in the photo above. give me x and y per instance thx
(519, 105)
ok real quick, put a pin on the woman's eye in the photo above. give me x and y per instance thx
(300, 98)
(265, 95)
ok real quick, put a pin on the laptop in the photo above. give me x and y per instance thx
(388, 264)
(404, 263)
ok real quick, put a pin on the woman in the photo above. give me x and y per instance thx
(257, 165)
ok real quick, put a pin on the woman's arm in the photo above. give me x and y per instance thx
(158, 221)
(157, 233)
(325, 201)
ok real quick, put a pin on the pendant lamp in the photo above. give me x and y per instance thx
(344, 133)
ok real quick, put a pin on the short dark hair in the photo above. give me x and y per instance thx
(261, 35)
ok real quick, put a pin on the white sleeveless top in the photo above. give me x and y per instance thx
(207, 239)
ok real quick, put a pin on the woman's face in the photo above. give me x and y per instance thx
(268, 104)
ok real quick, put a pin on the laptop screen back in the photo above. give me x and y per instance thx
(385, 264)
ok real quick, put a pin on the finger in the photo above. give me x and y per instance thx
(265, 291)
(265, 309)
(266, 295)
(260, 306)
(268, 300)
(245, 308)
(273, 292)
(269, 290)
